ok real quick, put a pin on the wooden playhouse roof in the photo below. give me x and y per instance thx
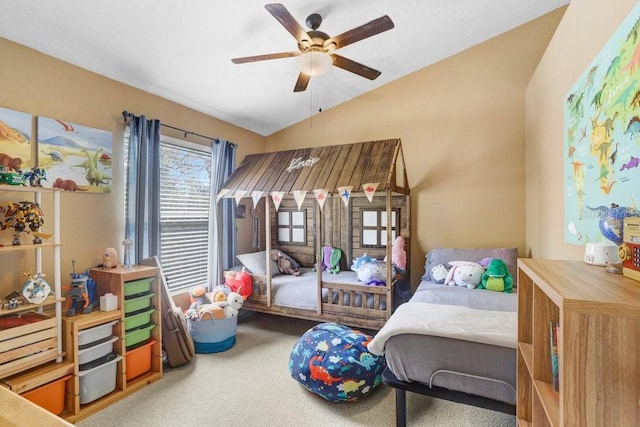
(328, 167)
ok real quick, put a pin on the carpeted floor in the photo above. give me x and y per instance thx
(250, 385)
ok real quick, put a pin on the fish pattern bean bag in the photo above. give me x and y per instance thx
(332, 361)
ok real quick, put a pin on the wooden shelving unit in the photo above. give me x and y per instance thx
(598, 343)
(32, 355)
(113, 281)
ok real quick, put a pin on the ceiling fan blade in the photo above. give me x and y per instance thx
(355, 67)
(362, 32)
(288, 21)
(301, 84)
(256, 58)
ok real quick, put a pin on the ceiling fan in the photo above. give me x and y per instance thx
(315, 48)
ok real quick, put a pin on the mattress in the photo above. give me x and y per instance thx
(301, 291)
(466, 366)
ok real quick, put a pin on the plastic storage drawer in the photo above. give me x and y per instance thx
(136, 319)
(95, 351)
(138, 360)
(137, 303)
(49, 396)
(138, 335)
(98, 378)
(90, 335)
(137, 286)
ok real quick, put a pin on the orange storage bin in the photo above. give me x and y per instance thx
(49, 396)
(138, 360)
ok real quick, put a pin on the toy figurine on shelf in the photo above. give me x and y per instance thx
(36, 289)
(77, 296)
(35, 176)
(22, 216)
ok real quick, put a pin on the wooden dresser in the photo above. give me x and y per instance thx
(598, 345)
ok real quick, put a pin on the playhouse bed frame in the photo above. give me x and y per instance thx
(336, 224)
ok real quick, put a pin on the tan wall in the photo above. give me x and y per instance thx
(40, 85)
(462, 126)
(585, 28)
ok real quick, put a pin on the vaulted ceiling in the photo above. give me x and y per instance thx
(182, 51)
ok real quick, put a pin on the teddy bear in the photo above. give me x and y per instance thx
(464, 273)
(398, 253)
(497, 277)
(285, 265)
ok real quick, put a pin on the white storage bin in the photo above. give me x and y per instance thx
(87, 336)
(99, 380)
(96, 351)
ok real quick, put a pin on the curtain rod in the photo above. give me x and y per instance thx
(126, 115)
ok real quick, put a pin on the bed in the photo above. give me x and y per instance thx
(471, 359)
(351, 197)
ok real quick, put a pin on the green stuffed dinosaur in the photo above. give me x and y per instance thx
(497, 277)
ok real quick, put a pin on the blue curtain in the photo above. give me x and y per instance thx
(222, 222)
(142, 222)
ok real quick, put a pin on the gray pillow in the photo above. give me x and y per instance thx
(256, 262)
(444, 255)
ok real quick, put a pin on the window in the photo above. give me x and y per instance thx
(292, 227)
(185, 181)
(374, 227)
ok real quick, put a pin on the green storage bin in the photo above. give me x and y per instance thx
(137, 286)
(136, 319)
(138, 335)
(138, 303)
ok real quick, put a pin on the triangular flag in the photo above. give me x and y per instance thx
(299, 196)
(369, 189)
(277, 196)
(239, 195)
(256, 195)
(345, 194)
(222, 193)
(321, 196)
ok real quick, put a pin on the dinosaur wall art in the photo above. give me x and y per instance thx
(602, 136)
(73, 153)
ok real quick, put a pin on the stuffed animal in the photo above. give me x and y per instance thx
(199, 297)
(439, 273)
(464, 273)
(233, 304)
(497, 277)
(331, 259)
(398, 254)
(285, 266)
(371, 271)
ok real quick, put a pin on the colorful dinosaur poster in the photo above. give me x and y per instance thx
(15, 140)
(74, 157)
(602, 136)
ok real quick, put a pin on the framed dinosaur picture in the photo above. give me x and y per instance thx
(602, 140)
(74, 157)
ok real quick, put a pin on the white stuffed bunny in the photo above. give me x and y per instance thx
(464, 273)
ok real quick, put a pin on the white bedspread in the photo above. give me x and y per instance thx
(449, 321)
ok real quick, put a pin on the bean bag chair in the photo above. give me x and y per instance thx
(333, 361)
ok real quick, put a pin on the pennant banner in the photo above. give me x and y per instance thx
(256, 195)
(239, 195)
(321, 196)
(299, 196)
(222, 193)
(370, 189)
(277, 196)
(345, 194)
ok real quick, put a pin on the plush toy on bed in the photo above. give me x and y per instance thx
(439, 273)
(331, 259)
(285, 265)
(371, 271)
(464, 273)
(497, 277)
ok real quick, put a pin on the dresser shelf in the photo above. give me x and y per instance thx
(598, 342)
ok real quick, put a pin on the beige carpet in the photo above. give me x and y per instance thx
(250, 385)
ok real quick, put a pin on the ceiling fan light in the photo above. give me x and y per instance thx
(314, 64)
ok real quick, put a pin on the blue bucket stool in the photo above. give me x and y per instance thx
(333, 361)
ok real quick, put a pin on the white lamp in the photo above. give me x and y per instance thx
(314, 63)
